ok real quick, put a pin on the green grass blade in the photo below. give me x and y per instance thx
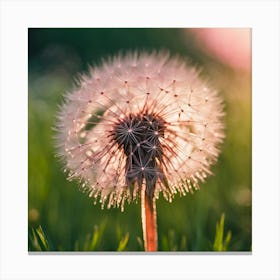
(219, 243)
(37, 240)
(123, 242)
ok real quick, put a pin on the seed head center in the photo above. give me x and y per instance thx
(139, 138)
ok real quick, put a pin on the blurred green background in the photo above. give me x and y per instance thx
(62, 218)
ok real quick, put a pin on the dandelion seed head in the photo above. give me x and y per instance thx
(140, 119)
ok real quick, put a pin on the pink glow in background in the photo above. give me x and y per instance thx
(231, 46)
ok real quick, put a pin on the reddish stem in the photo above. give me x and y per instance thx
(149, 221)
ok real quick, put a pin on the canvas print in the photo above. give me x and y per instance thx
(139, 140)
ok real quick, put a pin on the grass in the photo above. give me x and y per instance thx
(38, 240)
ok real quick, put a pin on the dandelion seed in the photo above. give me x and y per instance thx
(139, 125)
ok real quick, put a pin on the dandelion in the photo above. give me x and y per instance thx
(140, 125)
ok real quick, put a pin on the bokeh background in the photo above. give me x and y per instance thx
(62, 218)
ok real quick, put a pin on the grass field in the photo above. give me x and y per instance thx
(62, 218)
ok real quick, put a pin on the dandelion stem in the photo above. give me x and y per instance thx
(149, 220)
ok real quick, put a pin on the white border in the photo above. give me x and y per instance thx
(17, 16)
